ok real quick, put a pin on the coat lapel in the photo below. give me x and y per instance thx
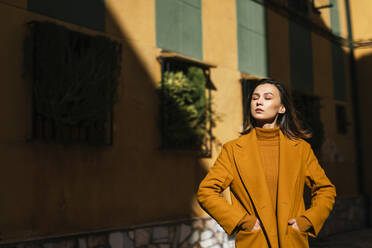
(249, 166)
(251, 172)
(289, 166)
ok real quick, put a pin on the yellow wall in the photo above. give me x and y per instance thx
(342, 171)
(361, 19)
(364, 75)
(323, 18)
(341, 168)
(50, 189)
(362, 31)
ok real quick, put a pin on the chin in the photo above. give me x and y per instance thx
(264, 120)
(261, 118)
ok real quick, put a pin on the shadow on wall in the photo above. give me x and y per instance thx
(364, 75)
(331, 70)
(64, 189)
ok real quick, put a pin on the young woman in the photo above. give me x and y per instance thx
(266, 170)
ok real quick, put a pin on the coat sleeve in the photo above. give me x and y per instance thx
(323, 192)
(216, 181)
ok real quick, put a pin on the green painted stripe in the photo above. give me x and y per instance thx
(194, 3)
(168, 25)
(338, 66)
(252, 41)
(335, 19)
(251, 15)
(191, 30)
(179, 26)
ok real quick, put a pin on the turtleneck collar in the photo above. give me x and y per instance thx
(267, 133)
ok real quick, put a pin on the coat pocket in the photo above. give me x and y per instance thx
(297, 239)
(250, 239)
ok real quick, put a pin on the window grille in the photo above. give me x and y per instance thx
(74, 81)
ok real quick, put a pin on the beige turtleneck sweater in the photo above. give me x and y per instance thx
(268, 146)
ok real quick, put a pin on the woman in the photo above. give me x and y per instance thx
(266, 170)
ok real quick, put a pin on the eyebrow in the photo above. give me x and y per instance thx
(263, 93)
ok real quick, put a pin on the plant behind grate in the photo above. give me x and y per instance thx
(186, 110)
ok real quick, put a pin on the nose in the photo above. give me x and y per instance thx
(259, 101)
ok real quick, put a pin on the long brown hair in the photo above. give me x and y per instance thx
(288, 122)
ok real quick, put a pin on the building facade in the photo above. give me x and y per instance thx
(84, 194)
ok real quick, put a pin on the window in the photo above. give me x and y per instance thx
(187, 118)
(308, 109)
(74, 81)
(341, 119)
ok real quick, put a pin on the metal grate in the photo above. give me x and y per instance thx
(48, 131)
(73, 84)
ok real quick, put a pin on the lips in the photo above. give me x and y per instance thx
(258, 110)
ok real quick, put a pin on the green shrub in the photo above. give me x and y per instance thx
(186, 110)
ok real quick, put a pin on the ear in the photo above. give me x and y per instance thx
(282, 109)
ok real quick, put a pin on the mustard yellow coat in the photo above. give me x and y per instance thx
(239, 166)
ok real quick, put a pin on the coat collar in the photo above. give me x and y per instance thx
(251, 172)
(247, 139)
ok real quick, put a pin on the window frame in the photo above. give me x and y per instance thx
(181, 63)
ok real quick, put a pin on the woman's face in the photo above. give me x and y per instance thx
(266, 104)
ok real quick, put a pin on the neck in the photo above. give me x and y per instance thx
(268, 125)
(266, 134)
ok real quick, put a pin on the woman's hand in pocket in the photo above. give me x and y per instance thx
(300, 223)
(257, 226)
(294, 225)
(249, 223)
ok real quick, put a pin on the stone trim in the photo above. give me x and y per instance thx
(196, 232)
(348, 214)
